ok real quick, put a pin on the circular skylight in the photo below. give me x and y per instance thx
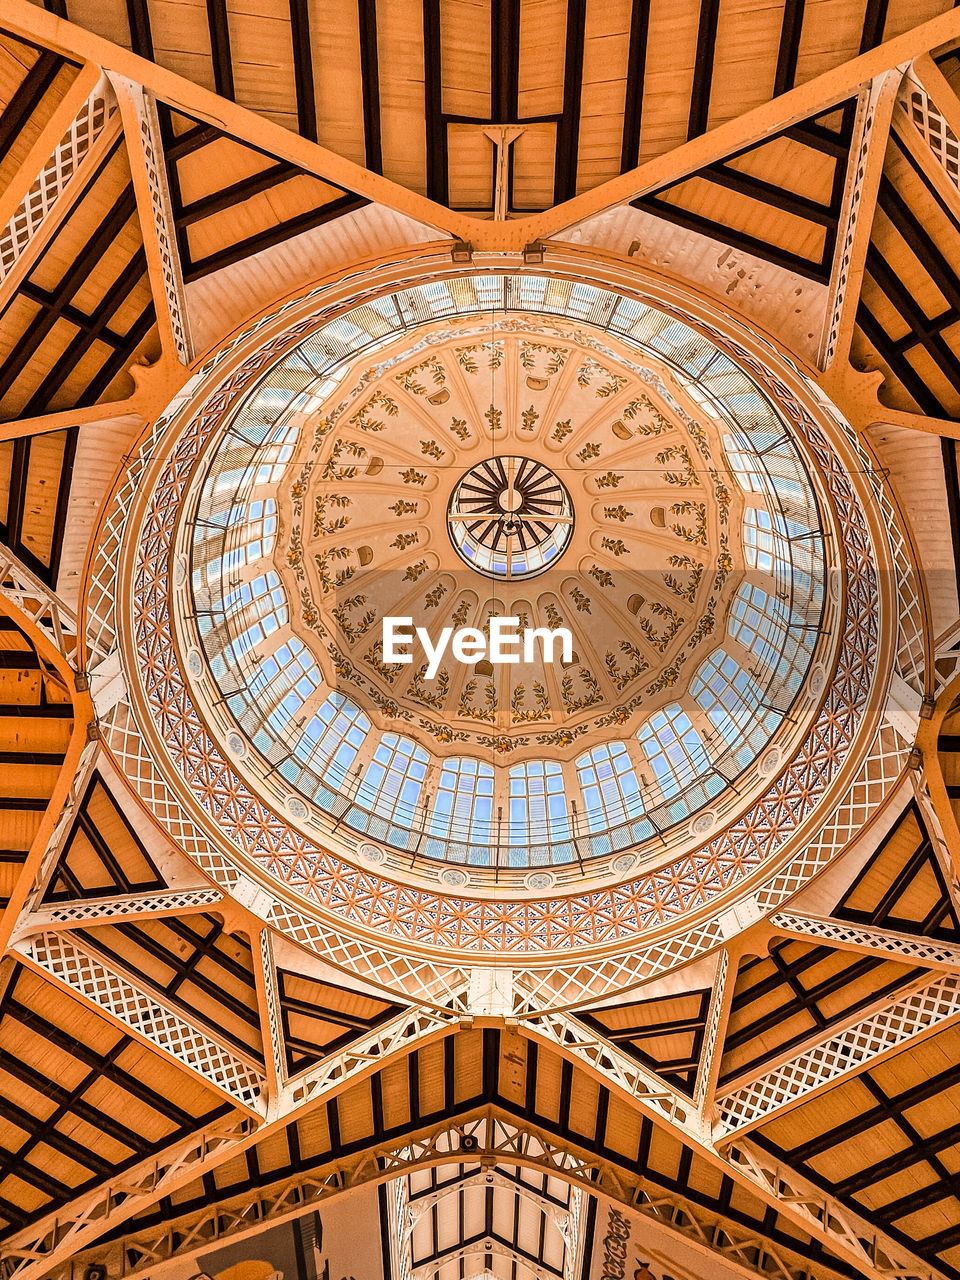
(510, 517)
(420, 477)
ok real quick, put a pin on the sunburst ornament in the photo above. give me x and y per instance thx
(510, 517)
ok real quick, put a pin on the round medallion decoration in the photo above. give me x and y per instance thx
(510, 517)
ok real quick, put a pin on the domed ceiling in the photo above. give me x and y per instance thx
(666, 516)
(467, 447)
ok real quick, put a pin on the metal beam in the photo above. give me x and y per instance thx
(146, 1016)
(846, 936)
(502, 1140)
(923, 1009)
(864, 173)
(141, 127)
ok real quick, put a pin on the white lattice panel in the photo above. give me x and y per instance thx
(399, 1035)
(915, 950)
(78, 786)
(53, 179)
(41, 605)
(144, 1014)
(866, 115)
(926, 118)
(500, 1141)
(34, 1251)
(617, 1069)
(714, 1019)
(269, 971)
(104, 909)
(876, 1254)
(162, 230)
(823, 1063)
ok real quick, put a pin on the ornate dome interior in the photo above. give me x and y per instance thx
(332, 331)
(690, 571)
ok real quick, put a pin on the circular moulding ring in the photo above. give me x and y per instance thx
(545, 937)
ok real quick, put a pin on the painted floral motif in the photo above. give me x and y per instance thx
(364, 418)
(697, 533)
(430, 368)
(430, 697)
(354, 628)
(488, 711)
(686, 588)
(589, 694)
(685, 477)
(324, 526)
(622, 676)
(616, 546)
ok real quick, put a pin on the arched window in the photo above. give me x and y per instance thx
(674, 749)
(246, 616)
(611, 791)
(282, 684)
(731, 700)
(759, 621)
(744, 463)
(463, 807)
(393, 779)
(760, 545)
(330, 742)
(538, 803)
(259, 520)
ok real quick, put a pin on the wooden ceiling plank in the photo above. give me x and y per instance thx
(67, 778)
(144, 1015)
(437, 161)
(219, 28)
(273, 235)
(568, 128)
(633, 99)
(703, 68)
(68, 197)
(779, 197)
(43, 27)
(779, 114)
(27, 98)
(785, 76)
(370, 80)
(874, 21)
(91, 331)
(776, 116)
(138, 17)
(303, 68)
